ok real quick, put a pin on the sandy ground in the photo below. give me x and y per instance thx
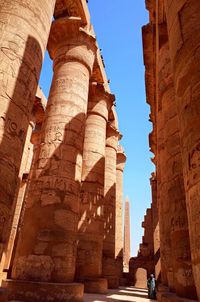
(124, 294)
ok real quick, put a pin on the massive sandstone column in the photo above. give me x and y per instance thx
(121, 160)
(47, 245)
(127, 247)
(19, 197)
(24, 32)
(183, 20)
(163, 206)
(90, 227)
(109, 263)
(173, 207)
(156, 228)
(37, 118)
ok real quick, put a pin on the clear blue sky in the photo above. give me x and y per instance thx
(118, 28)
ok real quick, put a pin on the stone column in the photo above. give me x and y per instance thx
(156, 228)
(90, 227)
(183, 22)
(19, 197)
(127, 248)
(24, 32)
(109, 263)
(121, 160)
(47, 244)
(176, 248)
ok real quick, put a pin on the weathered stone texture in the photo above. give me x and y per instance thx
(172, 90)
(127, 246)
(21, 60)
(183, 21)
(49, 252)
(121, 160)
(142, 266)
(174, 193)
(90, 227)
(109, 261)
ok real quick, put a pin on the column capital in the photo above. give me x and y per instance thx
(100, 100)
(121, 158)
(112, 136)
(69, 42)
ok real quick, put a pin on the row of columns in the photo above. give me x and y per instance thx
(67, 230)
(175, 39)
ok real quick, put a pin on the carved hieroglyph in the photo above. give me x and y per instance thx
(109, 266)
(183, 20)
(24, 31)
(47, 244)
(90, 228)
(172, 201)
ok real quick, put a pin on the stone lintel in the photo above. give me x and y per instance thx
(43, 291)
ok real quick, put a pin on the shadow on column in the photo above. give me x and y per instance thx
(17, 97)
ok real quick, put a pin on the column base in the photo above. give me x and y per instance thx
(113, 282)
(164, 295)
(95, 285)
(28, 291)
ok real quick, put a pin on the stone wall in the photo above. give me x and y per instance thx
(142, 266)
(170, 43)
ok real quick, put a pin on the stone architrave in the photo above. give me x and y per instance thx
(127, 248)
(183, 21)
(90, 227)
(121, 160)
(109, 262)
(175, 248)
(47, 245)
(24, 32)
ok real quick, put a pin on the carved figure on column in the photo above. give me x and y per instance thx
(46, 249)
(90, 228)
(121, 160)
(21, 57)
(109, 261)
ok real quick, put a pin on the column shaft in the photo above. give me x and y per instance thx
(183, 20)
(24, 32)
(20, 193)
(121, 159)
(127, 247)
(173, 208)
(90, 228)
(47, 243)
(109, 265)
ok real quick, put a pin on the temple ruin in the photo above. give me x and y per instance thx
(171, 56)
(62, 165)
